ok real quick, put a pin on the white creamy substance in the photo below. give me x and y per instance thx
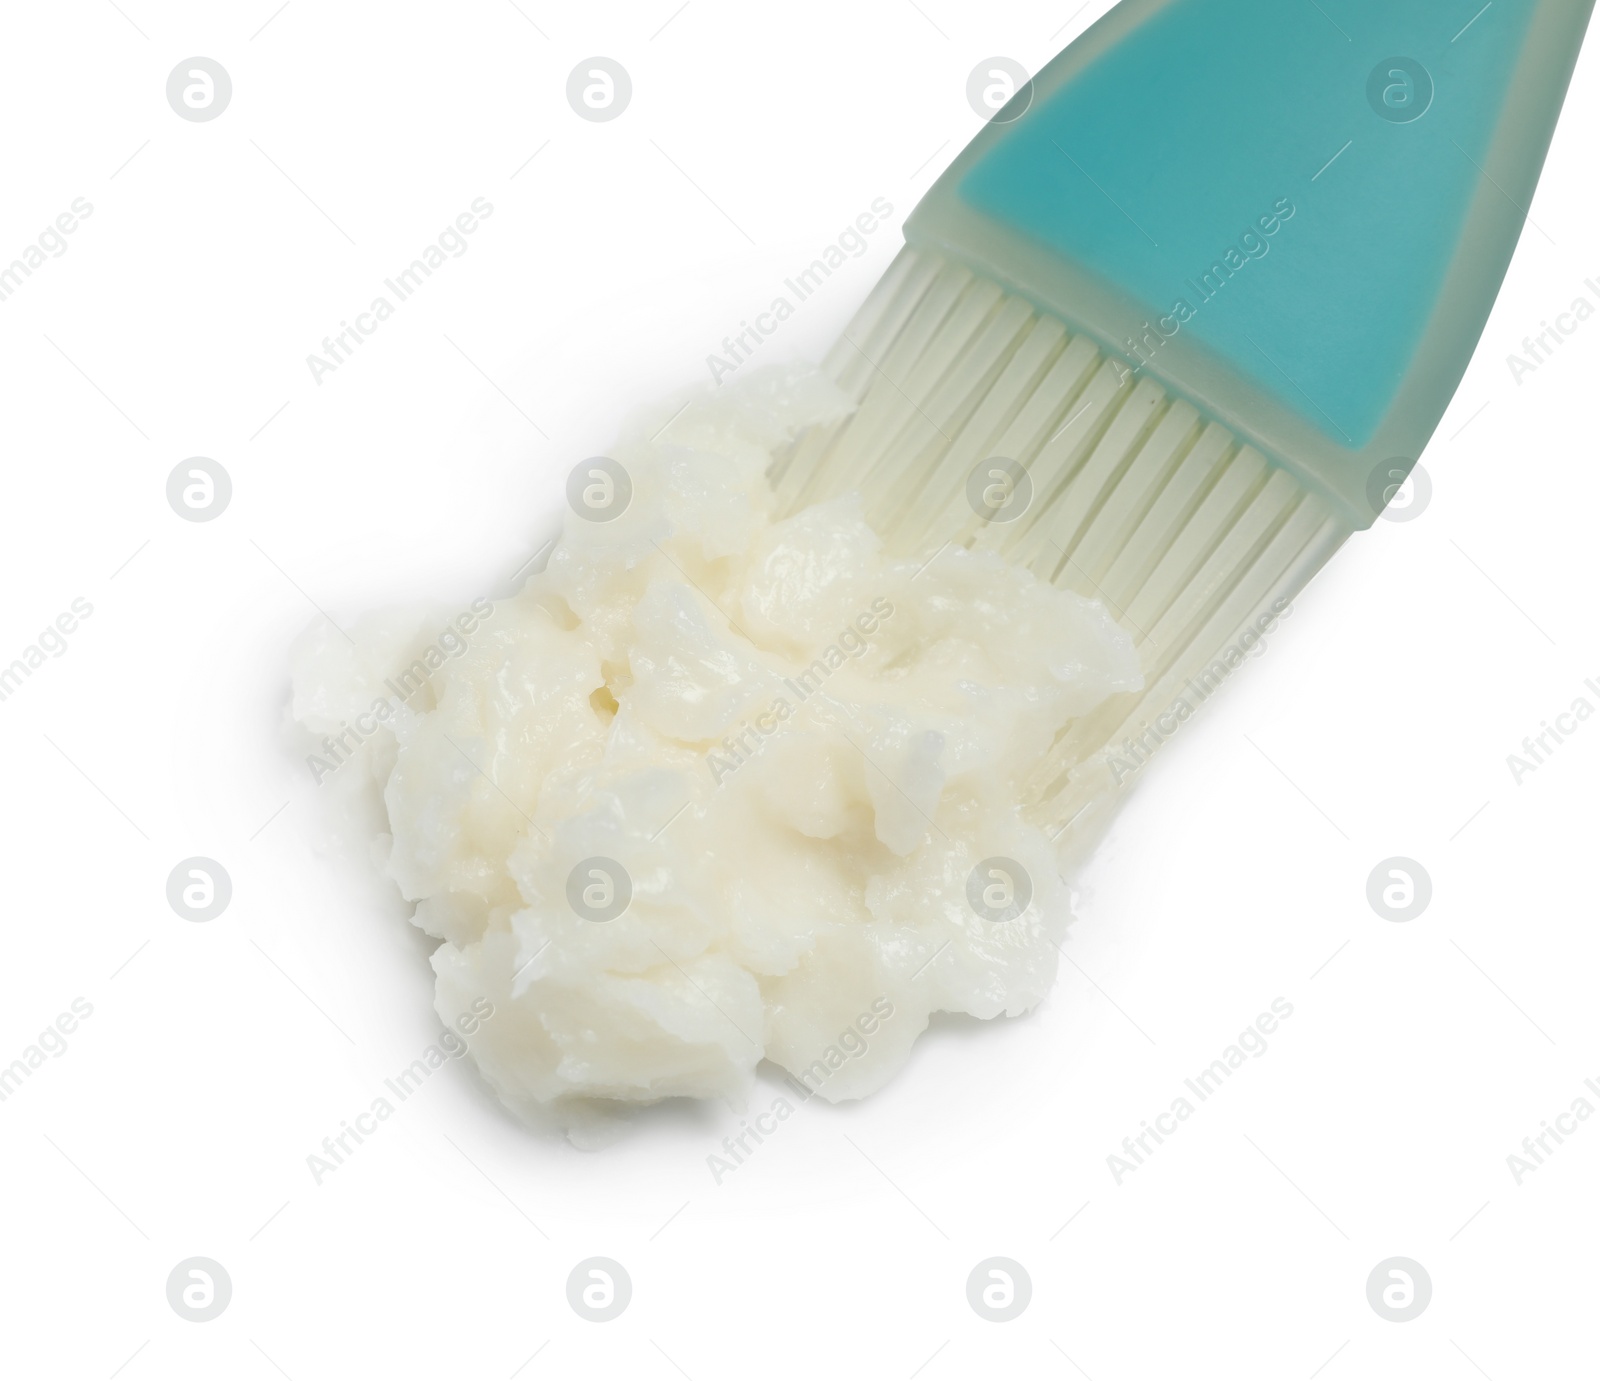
(796, 747)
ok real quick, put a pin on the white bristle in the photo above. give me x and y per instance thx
(1138, 499)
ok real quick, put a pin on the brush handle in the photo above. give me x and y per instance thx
(1295, 215)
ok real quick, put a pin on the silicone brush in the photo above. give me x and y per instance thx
(1184, 314)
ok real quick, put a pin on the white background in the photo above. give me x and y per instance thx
(218, 1056)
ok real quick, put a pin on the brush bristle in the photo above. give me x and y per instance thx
(1138, 499)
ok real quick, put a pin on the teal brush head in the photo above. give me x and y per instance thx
(1186, 312)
